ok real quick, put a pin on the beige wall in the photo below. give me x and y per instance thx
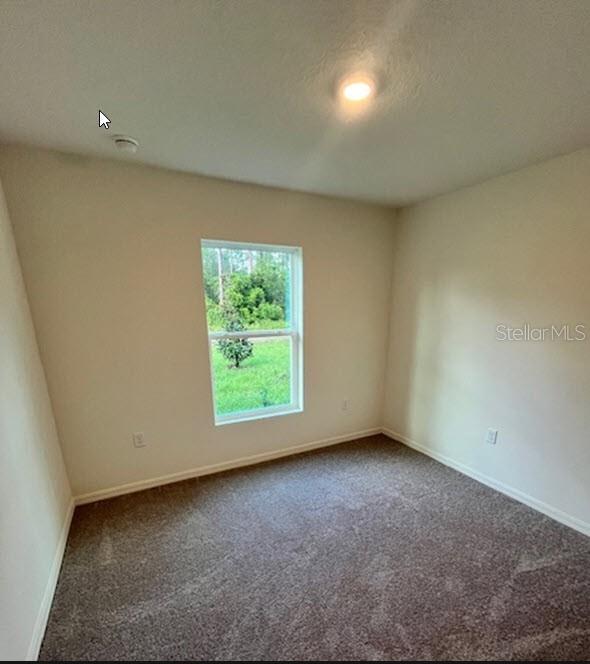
(110, 254)
(34, 490)
(515, 249)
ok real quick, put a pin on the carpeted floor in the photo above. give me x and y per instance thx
(366, 550)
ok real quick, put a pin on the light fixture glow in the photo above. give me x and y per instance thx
(357, 88)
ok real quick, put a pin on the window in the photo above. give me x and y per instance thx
(253, 299)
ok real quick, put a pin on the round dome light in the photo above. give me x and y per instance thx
(357, 88)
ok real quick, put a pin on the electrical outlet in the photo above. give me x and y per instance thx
(139, 439)
(492, 436)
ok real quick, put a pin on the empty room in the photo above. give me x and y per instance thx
(294, 330)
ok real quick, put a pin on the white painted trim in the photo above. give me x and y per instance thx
(247, 246)
(550, 511)
(43, 615)
(252, 334)
(103, 494)
(258, 414)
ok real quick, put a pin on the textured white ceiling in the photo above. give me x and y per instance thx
(245, 89)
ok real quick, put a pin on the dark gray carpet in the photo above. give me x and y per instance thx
(366, 550)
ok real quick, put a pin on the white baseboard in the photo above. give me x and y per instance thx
(43, 615)
(103, 494)
(550, 511)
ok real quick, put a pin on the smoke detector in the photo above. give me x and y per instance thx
(126, 144)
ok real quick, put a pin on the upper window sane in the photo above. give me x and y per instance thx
(253, 300)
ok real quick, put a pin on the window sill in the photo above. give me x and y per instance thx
(236, 418)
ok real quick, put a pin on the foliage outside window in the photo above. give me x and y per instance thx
(253, 305)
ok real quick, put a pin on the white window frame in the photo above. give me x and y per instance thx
(294, 332)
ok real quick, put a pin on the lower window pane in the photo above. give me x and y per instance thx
(251, 374)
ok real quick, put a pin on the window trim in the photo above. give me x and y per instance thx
(294, 332)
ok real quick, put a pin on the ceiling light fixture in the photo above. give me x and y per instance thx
(357, 88)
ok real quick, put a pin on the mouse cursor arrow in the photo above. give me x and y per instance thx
(103, 121)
